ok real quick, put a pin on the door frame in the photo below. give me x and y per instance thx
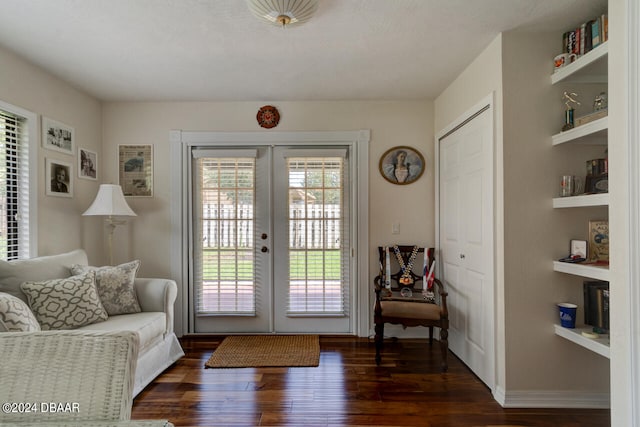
(181, 142)
(487, 102)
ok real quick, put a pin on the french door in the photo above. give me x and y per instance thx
(271, 249)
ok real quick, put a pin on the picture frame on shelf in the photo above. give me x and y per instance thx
(59, 178)
(57, 136)
(599, 241)
(87, 164)
(136, 170)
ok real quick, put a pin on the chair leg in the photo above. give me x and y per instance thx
(379, 341)
(430, 336)
(444, 348)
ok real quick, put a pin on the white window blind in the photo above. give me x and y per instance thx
(224, 262)
(14, 186)
(318, 236)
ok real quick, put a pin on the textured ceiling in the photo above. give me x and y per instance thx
(216, 50)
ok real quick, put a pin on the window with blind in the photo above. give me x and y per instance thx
(14, 185)
(224, 257)
(318, 236)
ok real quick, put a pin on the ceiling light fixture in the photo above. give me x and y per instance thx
(283, 13)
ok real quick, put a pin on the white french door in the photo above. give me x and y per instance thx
(271, 247)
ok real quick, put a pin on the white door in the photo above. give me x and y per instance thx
(271, 247)
(466, 240)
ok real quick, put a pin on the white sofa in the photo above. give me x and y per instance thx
(158, 345)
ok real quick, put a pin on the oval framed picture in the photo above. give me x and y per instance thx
(401, 165)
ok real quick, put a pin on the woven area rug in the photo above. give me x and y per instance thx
(258, 351)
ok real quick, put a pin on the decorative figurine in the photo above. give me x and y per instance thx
(570, 97)
(600, 102)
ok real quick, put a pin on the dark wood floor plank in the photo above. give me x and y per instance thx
(346, 389)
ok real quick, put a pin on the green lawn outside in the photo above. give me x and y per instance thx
(302, 265)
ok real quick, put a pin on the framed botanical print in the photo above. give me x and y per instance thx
(401, 165)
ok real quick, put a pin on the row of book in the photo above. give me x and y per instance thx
(596, 305)
(587, 36)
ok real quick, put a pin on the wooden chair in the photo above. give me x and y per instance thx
(399, 301)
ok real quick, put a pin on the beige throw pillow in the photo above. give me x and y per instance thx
(115, 286)
(15, 315)
(65, 303)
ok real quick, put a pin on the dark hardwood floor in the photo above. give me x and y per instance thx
(347, 389)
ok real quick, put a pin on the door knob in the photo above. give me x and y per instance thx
(264, 249)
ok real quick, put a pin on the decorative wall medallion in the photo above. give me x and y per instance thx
(268, 116)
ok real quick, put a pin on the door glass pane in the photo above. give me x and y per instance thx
(225, 264)
(316, 235)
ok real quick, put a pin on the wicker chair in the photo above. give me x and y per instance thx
(68, 378)
(410, 309)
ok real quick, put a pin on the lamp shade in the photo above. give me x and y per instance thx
(109, 201)
(283, 13)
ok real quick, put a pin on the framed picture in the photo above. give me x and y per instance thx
(57, 136)
(401, 165)
(87, 164)
(59, 178)
(136, 170)
(599, 241)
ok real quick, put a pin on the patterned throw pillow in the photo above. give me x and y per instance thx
(115, 286)
(65, 303)
(15, 315)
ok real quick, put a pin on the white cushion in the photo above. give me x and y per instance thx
(13, 273)
(65, 303)
(115, 286)
(15, 315)
(150, 326)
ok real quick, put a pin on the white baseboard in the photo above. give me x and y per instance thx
(552, 399)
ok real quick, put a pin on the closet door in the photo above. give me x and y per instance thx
(466, 240)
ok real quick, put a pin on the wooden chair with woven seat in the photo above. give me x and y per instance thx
(400, 298)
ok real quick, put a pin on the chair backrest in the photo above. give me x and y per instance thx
(67, 375)
(392, 259)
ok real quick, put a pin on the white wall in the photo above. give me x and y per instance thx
(60, 224)
(147, 236)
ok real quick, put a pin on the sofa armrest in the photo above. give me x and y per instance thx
(157, 295)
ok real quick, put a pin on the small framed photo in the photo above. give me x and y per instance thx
(401, 165)
(136, 170)
(599, 241)
(579, 248)
(87, 164)
(57, 136)
(59, 178)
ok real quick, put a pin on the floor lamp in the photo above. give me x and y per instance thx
(110, 202)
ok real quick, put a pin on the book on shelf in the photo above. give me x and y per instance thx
(587, 36)
(596, 304)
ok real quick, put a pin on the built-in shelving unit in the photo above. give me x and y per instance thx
(584, 200)
(597, 272)
(589, 68)
(598, 345)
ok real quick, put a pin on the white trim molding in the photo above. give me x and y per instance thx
(551, 399)
(633, 112)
